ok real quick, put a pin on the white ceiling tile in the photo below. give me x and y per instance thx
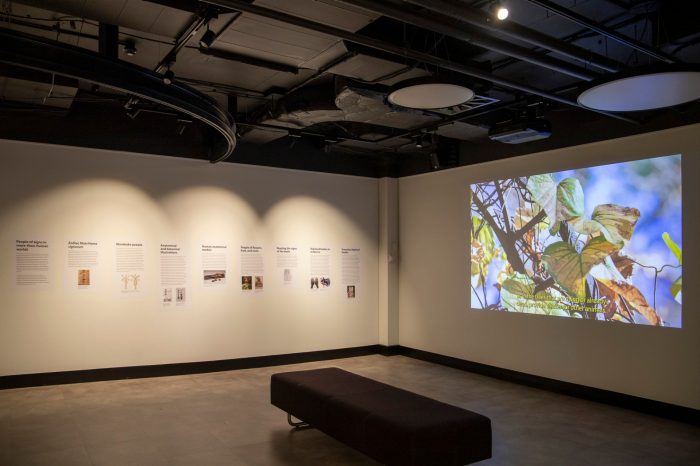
(251, 33)
(327, 12)
(104, 11)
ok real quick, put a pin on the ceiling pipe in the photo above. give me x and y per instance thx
(37, 53)
(108, 44)
(182, 39)
(400, 51)
(476, 18)
(249, 60)
(584, 33)
(443, 26)
(180, 42)
(612, 34)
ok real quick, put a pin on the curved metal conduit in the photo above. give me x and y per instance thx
(28, 51)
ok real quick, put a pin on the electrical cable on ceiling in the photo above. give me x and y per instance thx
(53, 82)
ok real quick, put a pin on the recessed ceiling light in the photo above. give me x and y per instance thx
(649, 90)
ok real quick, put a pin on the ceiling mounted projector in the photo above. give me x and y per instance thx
(518, 132)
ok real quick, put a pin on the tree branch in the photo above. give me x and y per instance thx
(505, 240)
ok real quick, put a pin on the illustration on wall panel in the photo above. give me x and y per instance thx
(320, 268)
(129, 267)
(252, 267)
(214, 264)
(82, 265)
(599, 243)
(173, 273)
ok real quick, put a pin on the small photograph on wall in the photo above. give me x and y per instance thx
(167, 295)
(84, 278)
(246, 282)
(287, 276)
(212, 277)
(180, 296)
(350, 291)
(258, 283)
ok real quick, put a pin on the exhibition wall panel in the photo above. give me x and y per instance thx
(116, 259)
(435, 276)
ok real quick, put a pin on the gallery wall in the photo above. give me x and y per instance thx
(52, 195)
(434, 290)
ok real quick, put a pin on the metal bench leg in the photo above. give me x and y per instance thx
(295, 424)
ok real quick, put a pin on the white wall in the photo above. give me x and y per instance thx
(655, 363)
(59, 193)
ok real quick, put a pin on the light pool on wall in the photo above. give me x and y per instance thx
(600, 243)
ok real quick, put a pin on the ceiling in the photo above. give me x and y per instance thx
(306, 81)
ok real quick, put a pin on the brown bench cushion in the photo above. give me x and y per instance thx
(391, 425)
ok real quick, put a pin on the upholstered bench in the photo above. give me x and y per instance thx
(391, 425)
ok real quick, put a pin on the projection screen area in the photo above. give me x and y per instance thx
(601, 243)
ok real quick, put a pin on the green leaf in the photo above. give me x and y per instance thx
(616, 223)
(483, 247)
(675, 249)
(563, 201)
(518, 295)
(677, 288)
(569, 268)
(569, 199)
(544, 190)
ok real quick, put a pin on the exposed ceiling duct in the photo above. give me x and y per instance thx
(468, 70)
(315, 74)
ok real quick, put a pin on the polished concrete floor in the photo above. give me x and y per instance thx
(225, 418)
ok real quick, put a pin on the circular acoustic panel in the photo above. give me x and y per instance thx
(643, 92)
(430, 95)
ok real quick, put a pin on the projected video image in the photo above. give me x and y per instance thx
(599, 243)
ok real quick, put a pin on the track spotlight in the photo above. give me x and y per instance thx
(419, 141)
(499, 10)
(434, 161)
(207, 39)
(130, 47)
(168, 77)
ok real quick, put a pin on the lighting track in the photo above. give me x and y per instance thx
(27, 51)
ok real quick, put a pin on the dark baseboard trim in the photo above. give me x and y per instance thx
(161, 370)
(392, 350)
(656, 408)
(644, 405)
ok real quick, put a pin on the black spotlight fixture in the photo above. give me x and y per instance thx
(168, 77)
(130, 47)
(207, 39)
(434, 161)
(419, 141)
